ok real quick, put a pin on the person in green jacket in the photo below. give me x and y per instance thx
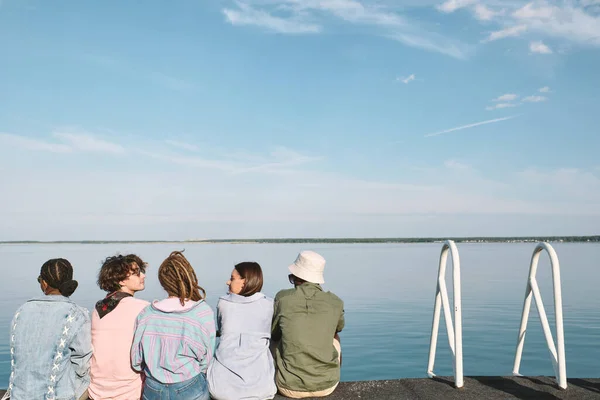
(306, 323)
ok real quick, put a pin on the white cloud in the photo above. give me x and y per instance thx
(182, 145)
(546, 89)
(539, 47)
(247, 15)
(32, 144)
(433, 42)
(500, 105)
(512, 31)
(534, 99)
(450, 6)
(453, 164)
(408, 79)
(459, 128)
(70, 142)
(484, 13)
(279, 161)
(87, 142)
(310, 16)
(506, 97)
(566, 21)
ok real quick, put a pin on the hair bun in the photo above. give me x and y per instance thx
(67, 288)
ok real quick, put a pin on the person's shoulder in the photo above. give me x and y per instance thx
(78, 311)
(137, 302)
(204, 308)
(285, 293)
(145, 311)
(268, 299)
(334, 298)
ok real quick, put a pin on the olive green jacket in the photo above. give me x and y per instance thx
(305, 320)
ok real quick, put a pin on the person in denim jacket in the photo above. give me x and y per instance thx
(50, 341)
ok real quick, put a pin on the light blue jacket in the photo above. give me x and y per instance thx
(51, 347)
(243, 365)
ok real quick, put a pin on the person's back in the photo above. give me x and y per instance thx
(174, 343)
(243, 366)
(50, 342)
(306, 320)
(174, 338)
(113, 325)
(111, 373)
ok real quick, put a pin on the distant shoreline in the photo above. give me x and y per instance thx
(516, 239)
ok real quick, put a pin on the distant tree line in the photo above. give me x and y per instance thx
(474, 239)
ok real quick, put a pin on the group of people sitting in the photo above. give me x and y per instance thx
(130, 349)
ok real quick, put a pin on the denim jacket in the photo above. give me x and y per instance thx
(50, 347)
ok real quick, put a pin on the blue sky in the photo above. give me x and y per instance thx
(298, 118)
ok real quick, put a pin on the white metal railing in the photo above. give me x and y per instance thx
(441, 299)
(558, 358)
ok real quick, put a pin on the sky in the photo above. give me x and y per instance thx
(196, 119)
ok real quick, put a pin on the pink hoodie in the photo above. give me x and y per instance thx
(111, 374)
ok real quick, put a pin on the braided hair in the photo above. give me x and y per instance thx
(58, 274)
(176, 275)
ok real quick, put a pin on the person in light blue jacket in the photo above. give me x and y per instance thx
(50, 341)
(243, 366)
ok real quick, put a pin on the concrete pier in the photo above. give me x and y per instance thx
(476, 388)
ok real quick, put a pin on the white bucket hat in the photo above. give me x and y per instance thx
(309, 266)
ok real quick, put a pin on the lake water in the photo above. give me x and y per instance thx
(388, 290)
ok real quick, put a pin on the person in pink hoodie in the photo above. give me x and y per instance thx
(113, 326)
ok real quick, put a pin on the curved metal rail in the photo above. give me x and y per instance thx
(558, 357)
(441, 299)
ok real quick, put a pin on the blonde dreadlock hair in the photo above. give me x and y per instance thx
(177, 277)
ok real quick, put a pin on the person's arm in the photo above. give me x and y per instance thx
(341, 322)
(218, 333)
(137, 355)
(275, 327)
(81, 348)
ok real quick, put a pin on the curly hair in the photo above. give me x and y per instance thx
(176, 275)
(118, 268)
(58, 274)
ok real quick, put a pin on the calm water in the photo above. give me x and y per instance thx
(388, 291)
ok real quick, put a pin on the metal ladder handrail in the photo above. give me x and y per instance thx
(558, 358)
(441, 299)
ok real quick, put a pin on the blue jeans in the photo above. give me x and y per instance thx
(192, 389)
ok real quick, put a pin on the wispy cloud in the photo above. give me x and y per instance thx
(28, 143)
(280, 160)
(565, 21)
(247, 15)
(534, 99)
(453, 164)
(68, 142)
(407, 80)
(539, 47)
(484, 13)
(500, 106)
(450, 6)
(89, 143)
(577, 21)
(546, 89)
(310, 17)
(182, 145)
(468, 126)
(507, 97)
(506, 32)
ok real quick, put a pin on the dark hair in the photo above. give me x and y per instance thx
(116, 269)
(252, 273)
(58, 274)
(176, 275)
